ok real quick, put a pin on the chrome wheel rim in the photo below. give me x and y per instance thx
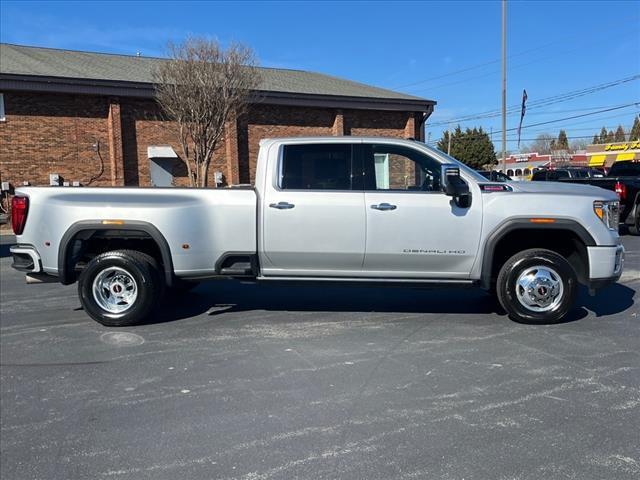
(115, 290)
(539, 288)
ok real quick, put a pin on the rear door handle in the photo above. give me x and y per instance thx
(384, 206)
(282, 205)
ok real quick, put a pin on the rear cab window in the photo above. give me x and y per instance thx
(326, 166)
(625, 169)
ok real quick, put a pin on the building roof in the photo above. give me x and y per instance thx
(134, 76)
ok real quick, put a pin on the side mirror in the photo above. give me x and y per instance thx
(454, 186)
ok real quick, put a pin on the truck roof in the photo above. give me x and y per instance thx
(341, 139)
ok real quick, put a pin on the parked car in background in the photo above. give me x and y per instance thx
(326, 210)
(555, 174)
(624, 179)
(495, 176)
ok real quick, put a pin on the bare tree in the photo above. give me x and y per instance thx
(577, 145)
(542, 144)
(201, 87)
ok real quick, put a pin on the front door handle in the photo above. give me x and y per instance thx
(384, 206)
(282, 205)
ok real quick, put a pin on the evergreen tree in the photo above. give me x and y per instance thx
(563, 141)
(610, 137)
(472, 147)
(619, 136)
(603, 135)
(596, 139)
(635, 130)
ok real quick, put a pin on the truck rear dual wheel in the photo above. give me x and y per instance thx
(537, 286)
(634, 228)
(120, 288)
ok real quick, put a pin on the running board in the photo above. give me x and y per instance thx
(370, 280)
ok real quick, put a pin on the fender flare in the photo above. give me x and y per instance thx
(64, 270)
(513, 224)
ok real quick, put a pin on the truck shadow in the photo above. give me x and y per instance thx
(223, 297)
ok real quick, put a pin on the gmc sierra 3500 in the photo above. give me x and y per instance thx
(340, 209)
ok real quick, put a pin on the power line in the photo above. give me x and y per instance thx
(491, 62)
(515, 139)
(576, 116)
(554, 99)
(494, 72)
(563, 119)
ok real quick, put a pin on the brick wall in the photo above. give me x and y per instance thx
(47, 133)
(55, 133)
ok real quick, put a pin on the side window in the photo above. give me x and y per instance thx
(539, 175)
(561, 174)
(316, 167)
(398, 168)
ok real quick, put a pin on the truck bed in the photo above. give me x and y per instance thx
(199, 225)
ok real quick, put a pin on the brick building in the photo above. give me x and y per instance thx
(92, 118)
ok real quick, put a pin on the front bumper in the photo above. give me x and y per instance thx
(26, 258)
(605, 265)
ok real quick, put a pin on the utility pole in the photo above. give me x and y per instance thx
(504, 85)
(449, 146)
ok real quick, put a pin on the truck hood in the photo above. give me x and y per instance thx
(558, 188)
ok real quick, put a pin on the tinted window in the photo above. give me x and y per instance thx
(540, 175)
(623, 169)
(316, 167)
(392, 167)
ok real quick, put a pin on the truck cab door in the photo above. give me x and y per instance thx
(413, 229)
(312, 214)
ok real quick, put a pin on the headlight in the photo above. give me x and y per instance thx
(608, 212)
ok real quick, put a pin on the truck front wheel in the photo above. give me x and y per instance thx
(537, 286)
(120, 288)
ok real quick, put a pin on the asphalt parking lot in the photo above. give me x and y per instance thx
(269, 382)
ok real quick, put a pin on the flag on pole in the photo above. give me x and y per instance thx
(524, 109)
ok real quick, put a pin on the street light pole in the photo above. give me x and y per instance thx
(504, 85)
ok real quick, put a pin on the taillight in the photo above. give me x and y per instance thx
(19, 209)
(621, 190)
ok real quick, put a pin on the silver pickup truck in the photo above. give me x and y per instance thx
(339, 209)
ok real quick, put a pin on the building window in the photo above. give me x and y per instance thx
(510, 172)
(2, 117)
(518, 172)
(527, 171)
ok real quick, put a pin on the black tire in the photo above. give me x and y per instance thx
(634, 228)
(509, 292)
(129, 264)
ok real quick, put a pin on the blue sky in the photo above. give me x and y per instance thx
(554, 47)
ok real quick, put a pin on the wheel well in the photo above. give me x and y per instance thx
(83, 245)
(564, 242)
